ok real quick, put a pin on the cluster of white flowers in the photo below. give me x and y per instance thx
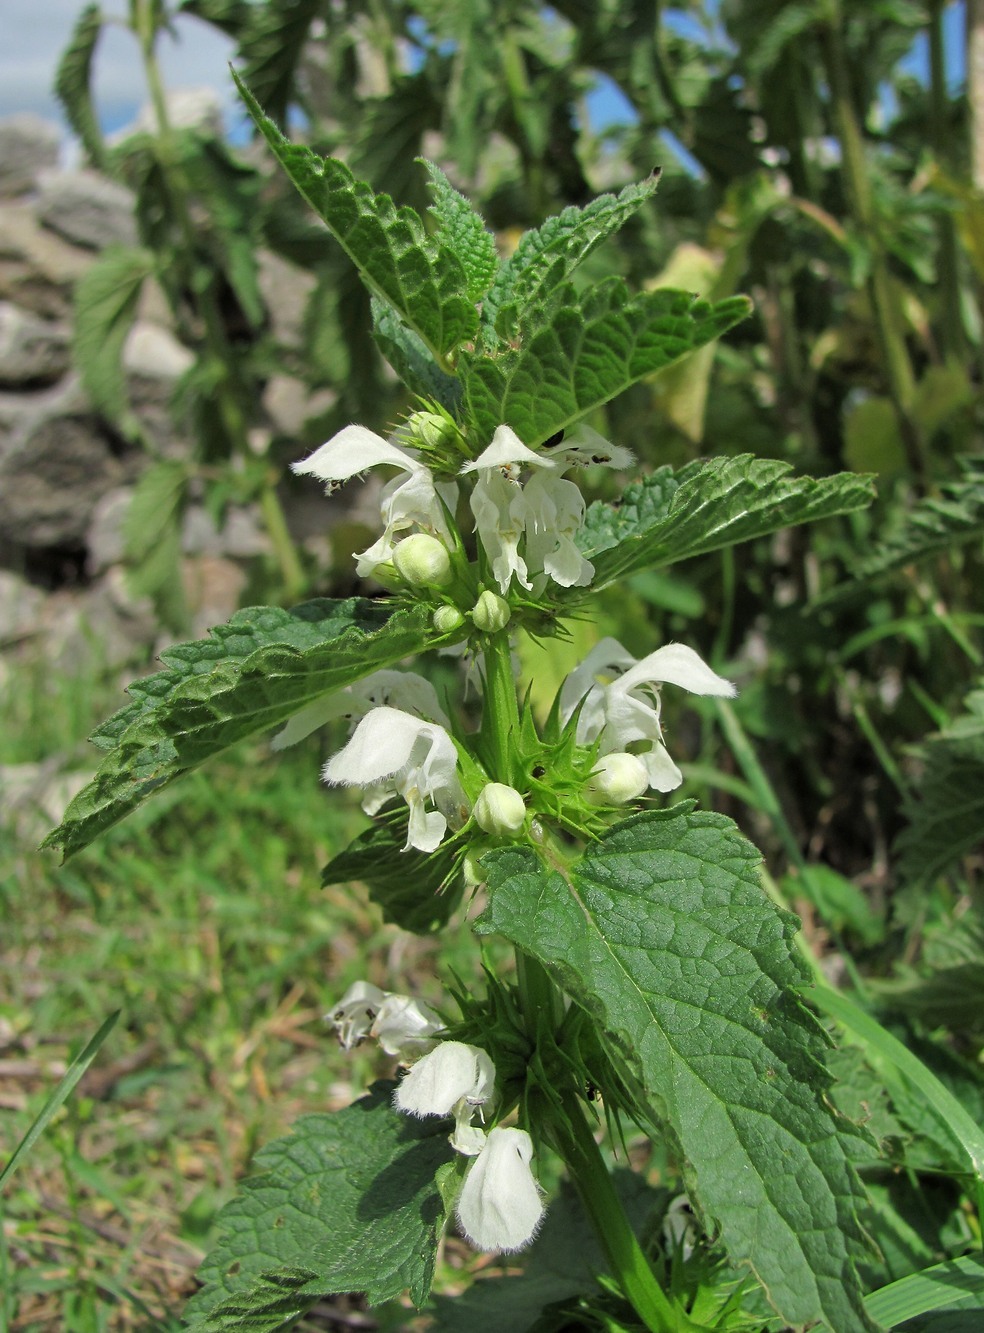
(620, 706)
(499, 1207)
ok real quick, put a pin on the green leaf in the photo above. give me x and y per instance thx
(933, 524)
(73, 83)
(66, 1086)
(663, 933)
(407, 885)
(705, 506)
(347, 1203)
(271, 49)
(546, 256)
(251, 674)
(106, 299)
(957, 1284)
(582, 351)
(411, 358)
(946, 820)
(463, 232)
(423, 280)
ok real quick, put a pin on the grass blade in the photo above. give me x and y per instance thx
(955, 1281)
(60, 1095)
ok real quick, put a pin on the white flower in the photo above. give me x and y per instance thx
(410, 691)
(499, 809)
(543, 516)
(453, 1074)
(411, 501)
(499, 1207)
(622, 701)
(618, 778)
(355, 1013)
(394, 752)
(405, 1027)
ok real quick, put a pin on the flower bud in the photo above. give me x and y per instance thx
(447, 619)
(617, 779)
(500, 810)
(491, 613)
(423, 561)
(431, 430)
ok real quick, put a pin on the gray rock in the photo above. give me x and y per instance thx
(87, 209)
(239, 538)
(56, 461)
(104, 538)
(187, 109)
(154, 361)
(37, 268)
(33, 351)
(27, 145)
(21, 605)
(289, 403)
(104, 628)
(285, 289)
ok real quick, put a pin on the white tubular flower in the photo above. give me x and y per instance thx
(499, 1207)
(396, 753)
(411, 501)
(355, 1013)
(544, 515)
(410, 691)
(453, 1075)
(405, 1027)
(622, 701)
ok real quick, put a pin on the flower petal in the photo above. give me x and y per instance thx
(676, 664)
(449, 1073)
(351, 451)
(506, 448)
(499, 1207)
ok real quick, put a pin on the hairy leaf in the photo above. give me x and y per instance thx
(411, 358)
(946, 821)
(706, 506)
(935, 523)
(663, 934)
(251, 674)
(582, 351)
(346, 1203)
(546, 256)
(106, 299)
(73, 82)
(271, 49)
(407, 885)
(463, 231)
(423, 280)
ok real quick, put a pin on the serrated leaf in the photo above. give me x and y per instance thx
(463, 232)
(935, 523)
(582, 352)
(73, 83)
(422, 280)
(547, 255)
(271, 47)
(251, 674)
(407, 885)
(946, 818)
(663, 933)
(156, 498)
(346, 1203)
(106, 299)
(706, 506)
(411, 358)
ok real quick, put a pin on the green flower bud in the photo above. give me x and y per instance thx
(447, 619)
(431, 430)
(617, 779)
(491, 612)
(423, 561)
(500, 809)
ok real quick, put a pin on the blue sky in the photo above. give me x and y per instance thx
(33, 34)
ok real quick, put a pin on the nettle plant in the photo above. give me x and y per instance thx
(656, 987)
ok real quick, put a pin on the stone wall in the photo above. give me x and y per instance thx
(66, 476)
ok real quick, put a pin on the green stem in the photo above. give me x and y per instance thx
(951, 323)
(857, 188)
(291, 570)
(500, 713)
(589, 1171)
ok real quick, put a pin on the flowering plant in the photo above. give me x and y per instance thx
(654, 978)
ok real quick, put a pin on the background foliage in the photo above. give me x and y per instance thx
(805, 164)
